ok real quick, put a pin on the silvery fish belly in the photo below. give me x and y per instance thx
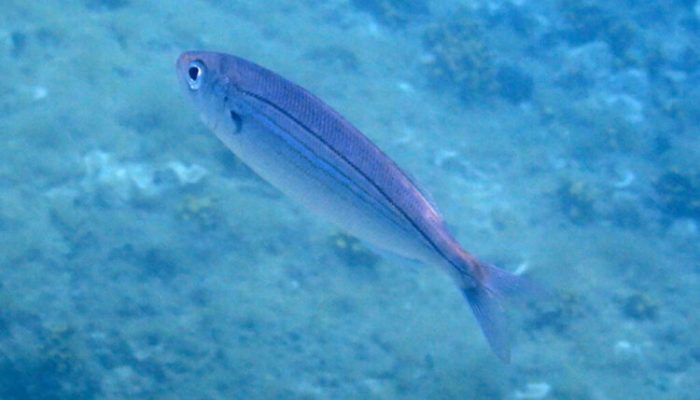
(304, 175)
(312, 154)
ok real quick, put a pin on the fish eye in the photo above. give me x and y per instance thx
(194, 74)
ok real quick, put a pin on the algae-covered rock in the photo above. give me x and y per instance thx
(514, 84)
(57, 369)
(460, 57)
(394, 13)
(558, 313)
(106, 5)
(639, 306)
(352, 251)
(200, 210)
(576, 201)
(679, 194)
(584, 22)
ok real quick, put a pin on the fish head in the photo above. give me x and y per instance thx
(211, 80)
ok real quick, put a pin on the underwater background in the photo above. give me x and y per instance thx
(140, 260)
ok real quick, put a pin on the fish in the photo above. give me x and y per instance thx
(312, 154)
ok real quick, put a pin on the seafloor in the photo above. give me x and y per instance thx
(139, 259)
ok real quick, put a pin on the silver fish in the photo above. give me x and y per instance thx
(311, 153)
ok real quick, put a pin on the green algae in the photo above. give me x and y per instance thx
(460, 57)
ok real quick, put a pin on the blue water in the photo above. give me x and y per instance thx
(139, 259)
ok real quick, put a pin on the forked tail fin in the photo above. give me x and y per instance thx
(486, 295)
